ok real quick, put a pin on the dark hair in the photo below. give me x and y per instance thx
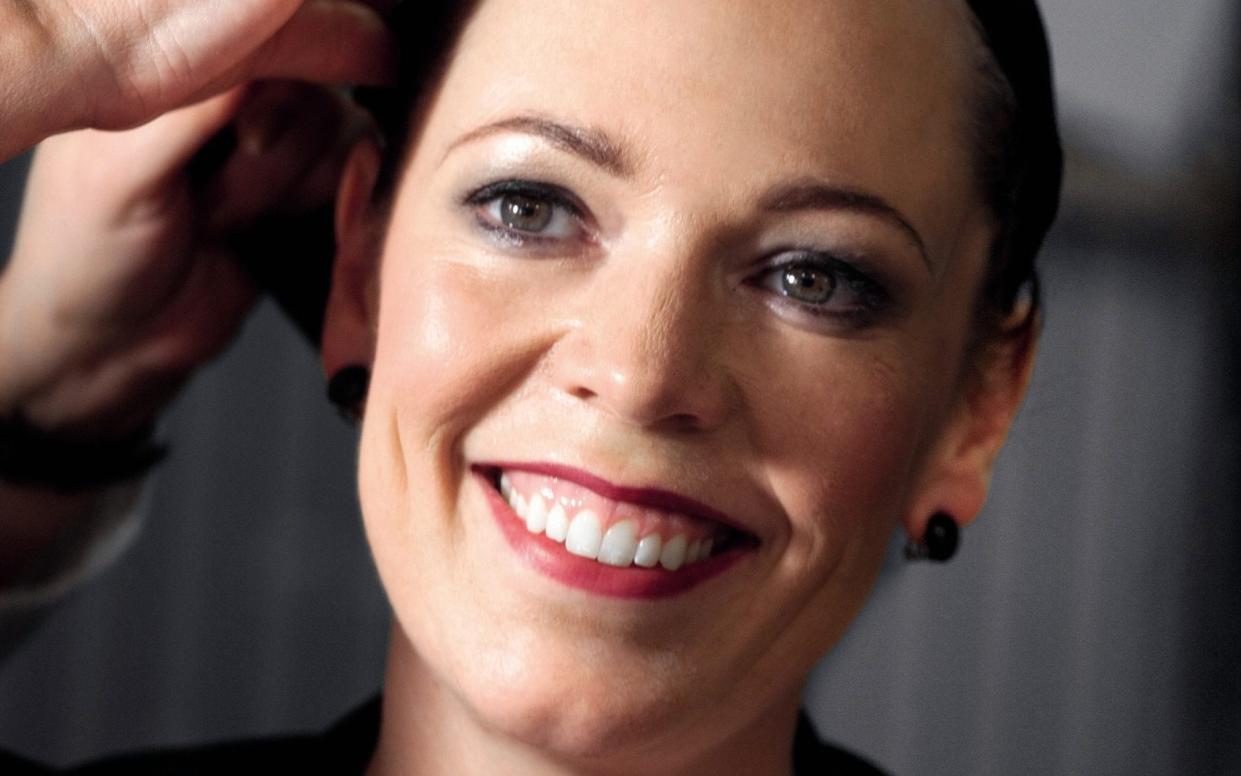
(997, 160)
(427, 31)
(1019, 161)
(1012, 126)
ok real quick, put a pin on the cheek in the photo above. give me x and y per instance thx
(432, 342)
(445, 337)
(453, 337)
(840, 437)
(854, 427)
(840, 440)
(434, 372)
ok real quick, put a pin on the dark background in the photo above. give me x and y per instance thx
(1090, 625)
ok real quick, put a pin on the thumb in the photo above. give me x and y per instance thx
(323, 41)
(216, 32)
(330, 42)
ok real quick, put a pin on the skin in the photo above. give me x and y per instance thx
(650, 354)
(649, 347)
(67, 64)
(106, 308)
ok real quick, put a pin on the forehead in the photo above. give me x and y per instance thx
(871, 93)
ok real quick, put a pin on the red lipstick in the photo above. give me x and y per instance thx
(654, 498)
(552, 559)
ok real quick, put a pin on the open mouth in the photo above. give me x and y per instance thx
(615, 540)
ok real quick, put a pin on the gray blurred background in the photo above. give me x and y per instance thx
(1090, 625)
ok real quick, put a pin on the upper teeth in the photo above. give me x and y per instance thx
(583, 534)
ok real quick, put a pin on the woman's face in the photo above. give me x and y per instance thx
(701, 271)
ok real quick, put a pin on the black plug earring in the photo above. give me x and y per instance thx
(347, 390)
(940, 541)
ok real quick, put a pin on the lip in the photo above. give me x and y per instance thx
(655, 498)
(633, 582)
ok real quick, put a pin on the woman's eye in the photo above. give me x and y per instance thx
(527, 214)
(811, 285)
(824, 286)
(525, 211)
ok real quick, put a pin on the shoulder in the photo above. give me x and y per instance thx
(812, 757)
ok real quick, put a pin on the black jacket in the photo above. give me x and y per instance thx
(346, 748)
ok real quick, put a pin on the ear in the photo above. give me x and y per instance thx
(349, 321)
(957, 475)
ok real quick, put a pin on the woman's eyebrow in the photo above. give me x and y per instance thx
(593, 145)
(816, 195)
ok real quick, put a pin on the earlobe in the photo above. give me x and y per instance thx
(957, 475)
(348, 330)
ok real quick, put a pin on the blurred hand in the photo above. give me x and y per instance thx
(122, 281)
(112, 64)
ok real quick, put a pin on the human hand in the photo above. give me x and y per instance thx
(123, 278)
(114, 64)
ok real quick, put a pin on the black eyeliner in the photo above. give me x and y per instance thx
(557, 196)
(872, 295)
(552, 193)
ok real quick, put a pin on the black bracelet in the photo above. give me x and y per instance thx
(68, 463)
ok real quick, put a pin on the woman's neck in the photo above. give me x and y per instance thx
(428, 731)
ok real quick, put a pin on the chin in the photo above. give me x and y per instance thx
(550, 687)
(590, 716)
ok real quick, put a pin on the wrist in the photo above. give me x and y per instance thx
(77, 429)
(106, 401)
(33, 458)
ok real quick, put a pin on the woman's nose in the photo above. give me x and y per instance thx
(649, 350)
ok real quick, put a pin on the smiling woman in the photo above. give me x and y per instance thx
(710, 291)
(672, 314)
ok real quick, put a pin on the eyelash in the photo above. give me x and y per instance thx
(870, 296)
(847, 274)
(563, 201)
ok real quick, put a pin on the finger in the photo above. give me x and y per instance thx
(152, 155)
(329, 41)
(299, 126)
(132, 61)
(172, 140)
